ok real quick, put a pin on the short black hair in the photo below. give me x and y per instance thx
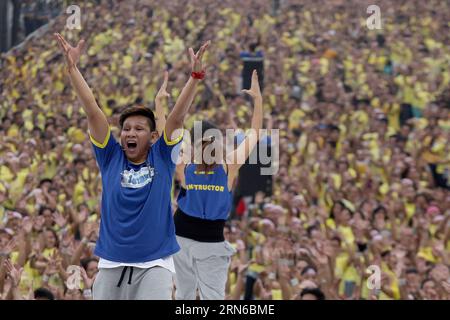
(411, 270)
(385, 253)
(341, 203)
(425, 281)
(380, 208)
(310, 229)
(43, 293)
(336, 238)
(205, 126)
(79, 160)
(314, 291)
(85, 262)
(83, 204)
(44, 181)
(138, 111)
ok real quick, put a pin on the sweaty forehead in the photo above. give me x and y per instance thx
(136, 120)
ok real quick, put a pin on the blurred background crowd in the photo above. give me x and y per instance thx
(364, 122)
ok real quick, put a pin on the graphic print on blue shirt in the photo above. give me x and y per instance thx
(136, 216)
(137, 179)
(207, 195)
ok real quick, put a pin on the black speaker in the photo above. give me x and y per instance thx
(250, 62)
(250, 179)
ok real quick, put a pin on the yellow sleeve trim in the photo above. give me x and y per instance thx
(101, 145)
(171, 143)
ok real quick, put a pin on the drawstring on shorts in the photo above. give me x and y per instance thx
(122, 275)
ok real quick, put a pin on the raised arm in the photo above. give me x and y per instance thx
(97, 122)
(237, 158)
(14, 276)
(159, 109)
(176, 117)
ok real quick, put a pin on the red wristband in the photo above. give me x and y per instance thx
(198, 75)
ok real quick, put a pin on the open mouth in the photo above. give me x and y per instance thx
(131, 145)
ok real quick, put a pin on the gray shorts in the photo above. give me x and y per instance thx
(203, 266)
(132, 283)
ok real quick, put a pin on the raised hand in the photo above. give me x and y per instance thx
(196, 59)
(72, 54)
(59, 219)
(446, 286)
(87, 281)
(13, 273)
(255, 91)
(329, 251)
(242, 268)
(27, 224)
(240, 245)
(162, 93)
(8, 248)
(283, 271)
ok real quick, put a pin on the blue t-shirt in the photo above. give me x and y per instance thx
(207, 195)
(136, 215)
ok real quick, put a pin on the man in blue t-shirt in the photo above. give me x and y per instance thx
(137, 236)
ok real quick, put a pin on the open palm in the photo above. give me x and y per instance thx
(72, 54)
(162, 93)
(196, 59)
(13, 273)
(254, 91)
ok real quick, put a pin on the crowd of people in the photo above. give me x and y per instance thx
(364, 168)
